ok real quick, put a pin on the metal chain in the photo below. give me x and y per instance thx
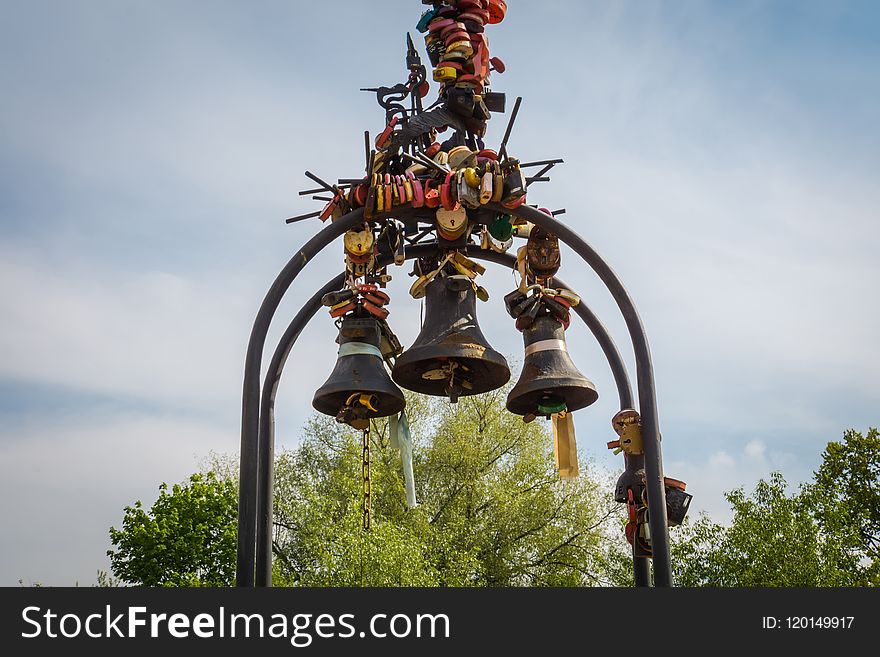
(365, 468)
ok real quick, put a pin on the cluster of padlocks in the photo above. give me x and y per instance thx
(459, 196)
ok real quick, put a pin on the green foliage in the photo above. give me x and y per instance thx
(826, 534)
(186, 539)
(772, 541)
(492, 510)
(845, 498)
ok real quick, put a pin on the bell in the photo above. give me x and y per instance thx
(359, 388)
(450, 357)
(549, 382)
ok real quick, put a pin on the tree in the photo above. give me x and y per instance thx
(492, 510)
(186, 539)
(826, 534)
(773, 540)
(845, 499)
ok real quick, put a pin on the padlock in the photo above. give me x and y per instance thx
(460, 99)
(512, 300)
(482, 293)
(570, 297)
(359, 242)
(467, 5)
(514, 185)
(382, 137)
(418, 194)
(370, 203)
(376, 297)
(451, 224)
(447, 193)
(332, 299)
(360, 195)
(342, 309)
(471, 177)
(328, 209)
(425, 19)
(432, 195)
(433, 149)
(558, 309)
(439, 24)
(513, 205)
(461, 156)
(467, 195)
(527, 302)
(462, 45)
(527, 316)
(407, 188)
(471, 17)
(442, 158)
(401, 190)
(497, 10)
(380, 198)
(376, 311)
(446, 72)
(465, 265)
(486, 188)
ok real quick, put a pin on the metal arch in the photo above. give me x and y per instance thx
(246, 542)
(266, 438)
(250, 405)
(644, 376)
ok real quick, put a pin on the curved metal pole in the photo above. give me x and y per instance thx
(644, 375)
(250, 404)
(270, 387)
(266, 438)
(641, 565)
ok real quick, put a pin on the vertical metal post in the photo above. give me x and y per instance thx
(644, 376)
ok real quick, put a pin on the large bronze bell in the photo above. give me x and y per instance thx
(450, 357)
(359, 387)
(549, 382)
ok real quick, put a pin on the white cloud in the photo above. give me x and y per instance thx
(64, 483)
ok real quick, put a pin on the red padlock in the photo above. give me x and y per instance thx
(401, 190)
(512, 205)
(360, 195)
(376, 311)
(382, 138)
(432, 196)
(440, 24)
(418, 193)
(433, 149)
(341, 311)
(497, 11)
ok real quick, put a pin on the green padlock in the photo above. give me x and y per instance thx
(500, 228)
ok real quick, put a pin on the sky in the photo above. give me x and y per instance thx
(722, 157)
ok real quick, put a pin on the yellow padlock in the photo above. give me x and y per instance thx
(445, 74)
(380, 198)
(464, 47)
(408, 189)
(359, 242)
(569, 296)
(472, 178)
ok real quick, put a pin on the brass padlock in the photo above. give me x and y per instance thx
(359, 242)
(451, 223)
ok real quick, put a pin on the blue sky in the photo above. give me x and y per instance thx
(723, 157)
